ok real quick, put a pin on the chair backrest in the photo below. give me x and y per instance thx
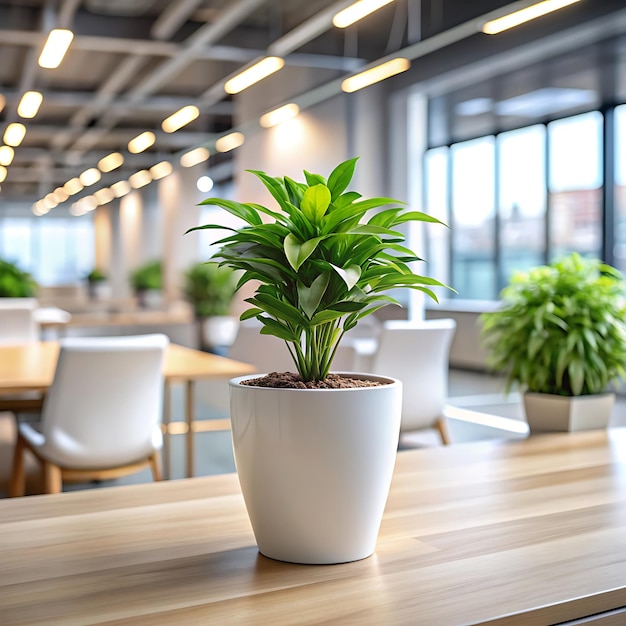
(270, 354)
(417, 353)
(266, 352)
(105, 405)
(17, 321)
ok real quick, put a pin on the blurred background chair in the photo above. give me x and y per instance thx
(101, 418)
(19, 325)
(417, 353)
(270, 354)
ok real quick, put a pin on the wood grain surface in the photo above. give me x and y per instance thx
(527, 532)
(31, 366)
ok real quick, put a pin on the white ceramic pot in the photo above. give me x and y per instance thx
(219, 330)
(547, 412)
(315, 466)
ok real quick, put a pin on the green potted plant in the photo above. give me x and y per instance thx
(210, 290)
(560, 335)
(96, 279)
(14, 282)
(315, 456)
(147, 282)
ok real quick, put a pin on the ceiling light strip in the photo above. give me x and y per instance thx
(357, 11)
(229, 142)
(253, 74)
(375, 74)
(29, 104)
(56, 46)
(493, 27)
(181, 118)
(279, 115)
(14, 134)
(141, 142)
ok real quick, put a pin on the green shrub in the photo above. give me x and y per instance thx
(96, 276)
(210, 289)
(15, 283)
(561, 328)
(147, 276)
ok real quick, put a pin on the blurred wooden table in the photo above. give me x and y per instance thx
(515, 533)
(30, 367)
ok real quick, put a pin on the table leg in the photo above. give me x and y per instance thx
(190, 433)
(167, 417)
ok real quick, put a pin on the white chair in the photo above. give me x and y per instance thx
(18, 323)
(418, 353)
(270, 354)
(101, 418)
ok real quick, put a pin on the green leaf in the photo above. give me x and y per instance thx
(274, 186)
(315, 202)
(250, 313)
(345, 199)
(309, 298)
(298, 252)
(314, 179)
(341, 176)
(350, 275)
(275, 328)
(242, 211)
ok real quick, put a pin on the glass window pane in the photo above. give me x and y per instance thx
(522, 199)
(473, 219)
(619, 249)
(15, 242)
(65, 250)
(436, 204)
(575, 189)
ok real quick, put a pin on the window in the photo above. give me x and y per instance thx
(575, 185)
(436, 202)
(473, 219)
(55, 250)
(619, 248)
(521, 200)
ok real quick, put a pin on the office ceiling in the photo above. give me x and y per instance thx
(134, 62)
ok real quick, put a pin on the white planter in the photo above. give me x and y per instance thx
(546, 412)
(315, 466)
(219, 330)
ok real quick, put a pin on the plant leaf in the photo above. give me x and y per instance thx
(315, 202)
(341, 176)
(309, 298)
(350, 274)
(298, 252)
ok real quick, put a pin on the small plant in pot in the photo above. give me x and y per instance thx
(95, 279)
(560, 336)
(147, 282)
(210, 290)
(315, 450)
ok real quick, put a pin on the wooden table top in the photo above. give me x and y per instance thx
(31, 366)
(525, 532)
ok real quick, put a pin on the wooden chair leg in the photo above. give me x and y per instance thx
(155, 466)
(442, 429)
(17, 487)
(52, 479)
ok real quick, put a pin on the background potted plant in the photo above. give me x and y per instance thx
(210, 290)
(15, 283)
(96, 280)
(147, 282)
(315, 459)
(560, 335)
